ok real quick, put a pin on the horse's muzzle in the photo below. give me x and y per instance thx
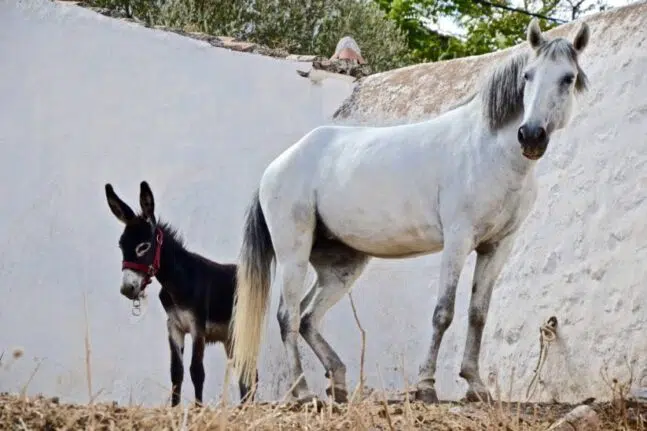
(533, 140)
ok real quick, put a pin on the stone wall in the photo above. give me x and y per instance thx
(581, 253)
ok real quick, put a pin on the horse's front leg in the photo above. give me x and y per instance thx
(457, 248)
(489, 263)
(176, 345)
(197, 367)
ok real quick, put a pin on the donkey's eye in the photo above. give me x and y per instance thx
(142, 248)
(568, 79)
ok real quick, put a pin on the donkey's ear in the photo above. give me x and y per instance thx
(534, 36)
(146, 201)
(118, 207)
(582, 38)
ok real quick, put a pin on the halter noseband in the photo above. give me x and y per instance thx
(149, 271)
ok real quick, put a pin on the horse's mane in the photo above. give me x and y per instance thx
(501, 93)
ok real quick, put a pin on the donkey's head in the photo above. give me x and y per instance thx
(140, 242)
(552, 76)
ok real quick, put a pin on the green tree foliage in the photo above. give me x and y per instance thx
(488, 27)
(297, 26)
(391, 33)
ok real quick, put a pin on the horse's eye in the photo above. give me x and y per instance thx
(568, 79)
(142, 248)
(527, 76)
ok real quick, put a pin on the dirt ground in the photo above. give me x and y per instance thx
(40, 413)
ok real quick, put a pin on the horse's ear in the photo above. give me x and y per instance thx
(118, 207)
(146, 201)
(534, 36)
(582, 38)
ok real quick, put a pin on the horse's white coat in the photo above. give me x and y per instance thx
(456, 182)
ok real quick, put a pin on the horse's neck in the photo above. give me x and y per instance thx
(500, 147)
(509, 150)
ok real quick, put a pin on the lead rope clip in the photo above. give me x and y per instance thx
(136, 310)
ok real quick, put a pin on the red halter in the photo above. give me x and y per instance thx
(148, 270)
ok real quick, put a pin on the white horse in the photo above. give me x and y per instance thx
(462, 181)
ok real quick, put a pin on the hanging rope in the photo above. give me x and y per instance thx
(547, 334)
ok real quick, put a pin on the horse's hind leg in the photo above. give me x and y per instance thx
(489, 263)
(337, 268)
(292, 244)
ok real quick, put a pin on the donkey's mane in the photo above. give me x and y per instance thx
(171, 234)
(501, 94)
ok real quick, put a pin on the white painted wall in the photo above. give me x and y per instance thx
(86, 99)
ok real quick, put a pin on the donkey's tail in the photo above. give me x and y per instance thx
(252, 292)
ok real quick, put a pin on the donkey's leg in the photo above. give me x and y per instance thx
(456, 250)
(197, 367)
(489, 263)
(246, 393)
(176, 344)
(336, 271)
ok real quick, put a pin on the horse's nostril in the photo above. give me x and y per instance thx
(520, 134)
(541, 134)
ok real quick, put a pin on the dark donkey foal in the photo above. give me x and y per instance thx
(197, 293)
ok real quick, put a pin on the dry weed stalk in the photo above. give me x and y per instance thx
(619, 390)
(88, 365)
(363, 351)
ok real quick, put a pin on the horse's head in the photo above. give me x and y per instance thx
(551, 79)
(140, 242)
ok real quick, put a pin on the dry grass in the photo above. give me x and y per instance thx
(39, 413)
(373, 412)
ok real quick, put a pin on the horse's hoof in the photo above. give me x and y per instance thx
(472, 396)
(427, 396)
(341, 395)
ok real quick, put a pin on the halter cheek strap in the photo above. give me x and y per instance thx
(149, 271)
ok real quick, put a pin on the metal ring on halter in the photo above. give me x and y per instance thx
(136, 307)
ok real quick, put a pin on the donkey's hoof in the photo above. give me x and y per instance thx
(472, 396)
(427, 396)
(305, 399)
(341, 395)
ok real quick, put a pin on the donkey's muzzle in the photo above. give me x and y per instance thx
(533, 140)
(129, 291)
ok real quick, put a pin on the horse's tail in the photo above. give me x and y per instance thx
(252, 292)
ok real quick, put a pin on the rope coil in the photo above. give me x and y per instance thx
(547, 334)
